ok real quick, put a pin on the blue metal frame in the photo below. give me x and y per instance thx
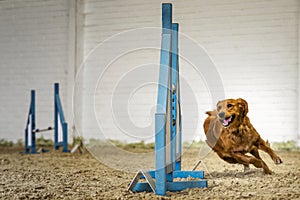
(176, 143)
(58, 111)
(168, 114)
(31, 148)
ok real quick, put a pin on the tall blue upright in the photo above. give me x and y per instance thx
(60, 125)
(167, 122)
(30, 126)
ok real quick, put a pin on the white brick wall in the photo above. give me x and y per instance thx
(298, 80)
(34, 55)
(254, 45)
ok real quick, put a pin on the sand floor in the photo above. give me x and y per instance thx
(57, 175)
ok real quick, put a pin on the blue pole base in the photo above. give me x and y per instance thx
(64, 147)
(171, 186)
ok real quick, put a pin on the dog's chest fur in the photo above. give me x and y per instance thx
(230, 139)
(239, 139)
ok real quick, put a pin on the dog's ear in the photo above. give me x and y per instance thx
(243, 105)
(217, 103)
(209, 113)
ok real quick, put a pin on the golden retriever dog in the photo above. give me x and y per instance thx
(231, 135)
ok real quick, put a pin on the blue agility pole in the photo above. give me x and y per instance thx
(60, 125)
(167, 122)
(30, 126)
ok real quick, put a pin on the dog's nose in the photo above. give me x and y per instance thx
(222, 115)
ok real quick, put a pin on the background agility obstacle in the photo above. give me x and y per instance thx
(60, 125)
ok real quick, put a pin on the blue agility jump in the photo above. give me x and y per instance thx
(60, 125)
(167, 122)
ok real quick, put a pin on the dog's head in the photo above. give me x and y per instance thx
(231, 112)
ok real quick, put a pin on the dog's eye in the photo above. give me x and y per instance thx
(229, 105)
(219, 108)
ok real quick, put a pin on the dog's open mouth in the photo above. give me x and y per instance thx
(227, 120)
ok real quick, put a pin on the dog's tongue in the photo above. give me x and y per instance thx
(226, 121)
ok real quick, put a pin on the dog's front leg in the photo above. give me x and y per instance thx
(246, 160)
(266, 148)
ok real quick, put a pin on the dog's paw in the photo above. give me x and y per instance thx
(268, 171)
(277, 161)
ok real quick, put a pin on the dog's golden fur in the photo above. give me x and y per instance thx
(231, 135)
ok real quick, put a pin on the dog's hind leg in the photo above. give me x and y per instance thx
(266, 148)
(255, 153)
(246, 168)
